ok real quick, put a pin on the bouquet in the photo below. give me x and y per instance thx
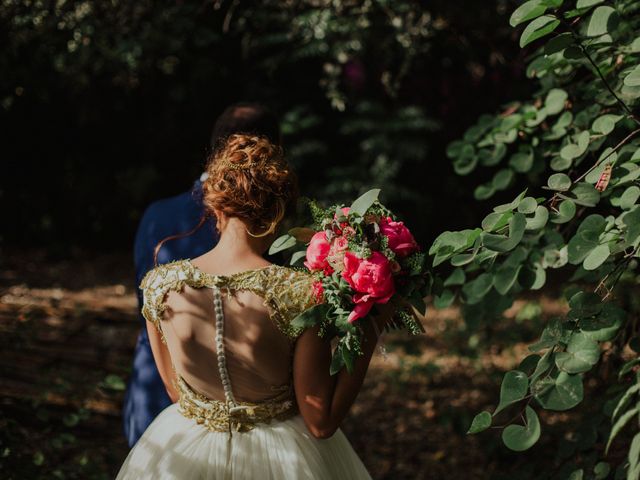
(363, 258)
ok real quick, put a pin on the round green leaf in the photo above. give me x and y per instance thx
(581, 354)
(554, 102)
(605, 124)
(480, 422)
(521, 162)
(482, 192)
(596, 257)
(603, 20)
(282, 243)
(538, 28)
(559, 181)
(566, 211)
(513, 389)
(629, 198)
(539, 219)
(519, 437)
(565, 392)
(633, 78)
(528, 205)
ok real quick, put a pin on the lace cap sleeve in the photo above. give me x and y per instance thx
(156, 284)
(290, 293)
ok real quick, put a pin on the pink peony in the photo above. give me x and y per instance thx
(401, 241)
(372, 280)
(317, 252)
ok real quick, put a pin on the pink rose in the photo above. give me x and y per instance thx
(317, 252)
(339, 245)
(372, 280)
(401, 241)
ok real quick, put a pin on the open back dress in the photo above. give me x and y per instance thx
(231, 345)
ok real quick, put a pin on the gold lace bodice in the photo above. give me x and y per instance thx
(287, 292)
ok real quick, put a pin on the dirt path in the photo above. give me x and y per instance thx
(68, 332)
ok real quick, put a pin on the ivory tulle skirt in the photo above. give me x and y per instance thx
(175, 447)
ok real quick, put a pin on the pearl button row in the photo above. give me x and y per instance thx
(222, 361)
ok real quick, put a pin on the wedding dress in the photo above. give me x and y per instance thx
(236, 417)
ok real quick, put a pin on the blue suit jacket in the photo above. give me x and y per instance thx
(146, 395)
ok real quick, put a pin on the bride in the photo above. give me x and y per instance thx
(253, 395)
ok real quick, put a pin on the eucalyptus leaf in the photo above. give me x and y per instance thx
(364, 202)
(480, 422)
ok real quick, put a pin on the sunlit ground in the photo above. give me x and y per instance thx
(68, 332)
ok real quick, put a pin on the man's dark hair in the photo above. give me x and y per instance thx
(246, 117)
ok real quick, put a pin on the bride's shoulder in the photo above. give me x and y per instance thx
(290, 291)
(158, 281)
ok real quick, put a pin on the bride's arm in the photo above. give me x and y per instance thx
(324, 400)
(163, 360)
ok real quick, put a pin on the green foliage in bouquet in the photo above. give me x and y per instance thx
(401, 279)
(576, 144)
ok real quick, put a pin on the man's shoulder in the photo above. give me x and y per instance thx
(159, 208)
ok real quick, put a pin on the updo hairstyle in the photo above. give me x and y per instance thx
(248, 178)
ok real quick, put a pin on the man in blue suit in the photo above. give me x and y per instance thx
(146, 395)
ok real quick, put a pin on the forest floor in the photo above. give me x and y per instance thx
(68, 333)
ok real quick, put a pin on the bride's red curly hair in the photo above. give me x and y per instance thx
(248, 178)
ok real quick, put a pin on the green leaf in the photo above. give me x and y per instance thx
(297, 256)
(634, 458)
(619, 425)
(566, 392)
(539, 219)
(629, 198)
(337, 361)
(311, 316)
(501, 243)
(596, 257)
(282, 243)
(521, 162)
(558, 43)
(605, 325)
(603, 20)
(505, 278)
(520, 438)
(581, 354)
(528, 205)
(482, 192)
(513, 389)
(527, 11)
(566, 211)
(538, 28)
(502, 178)
(633, 78)
(624, 400)
(555, 100)
(559, 182)
(632, 222)
(495, 221)
(605, 124)
(587, 3)
(480, 422)
(362, 203)
(457, 277)
(601, 470)
(444, 300)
